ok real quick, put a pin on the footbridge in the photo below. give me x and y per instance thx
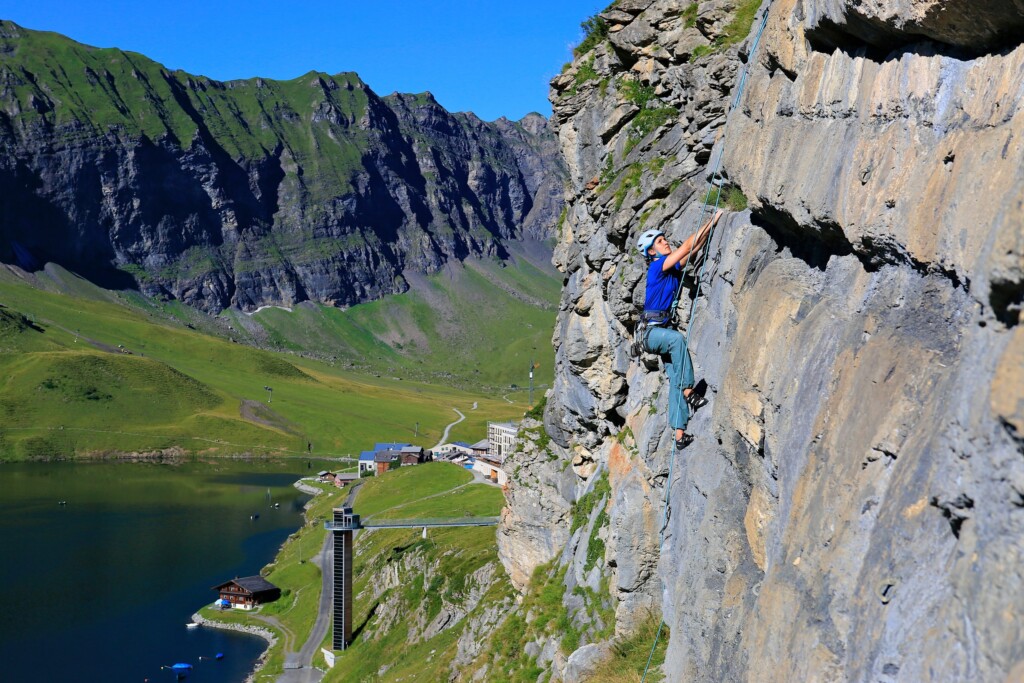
(342, 528)
(412, 523)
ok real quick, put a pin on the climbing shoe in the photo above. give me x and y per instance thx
(695, 401)
(684, 441)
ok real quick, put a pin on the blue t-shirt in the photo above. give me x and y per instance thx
(661, 285)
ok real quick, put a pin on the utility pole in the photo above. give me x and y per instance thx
(417, 430)
(531, 383)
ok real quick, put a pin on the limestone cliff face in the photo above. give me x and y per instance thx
(853, 506)
(252, 192)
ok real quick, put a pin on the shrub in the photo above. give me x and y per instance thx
(537, 412)
(586, 72)
(649, 120)
(634, 91)
(595, 29)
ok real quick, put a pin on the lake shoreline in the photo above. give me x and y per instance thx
(173, 456)
(263, 632)
(141, 531)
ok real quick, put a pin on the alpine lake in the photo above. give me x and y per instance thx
(105, 562)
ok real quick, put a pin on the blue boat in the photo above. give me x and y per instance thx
(181, 670)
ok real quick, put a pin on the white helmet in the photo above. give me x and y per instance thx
(646, 240)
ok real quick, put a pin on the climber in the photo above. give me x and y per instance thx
(664, 277)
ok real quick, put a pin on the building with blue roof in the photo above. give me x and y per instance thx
(366, 461)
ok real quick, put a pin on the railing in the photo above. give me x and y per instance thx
(413, 523)
(442, 521)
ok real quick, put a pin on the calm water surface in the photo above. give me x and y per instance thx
(101, 589)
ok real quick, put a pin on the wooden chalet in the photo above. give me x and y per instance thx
(247, 592)
(342, 479)
(387, 459)
(412, 455)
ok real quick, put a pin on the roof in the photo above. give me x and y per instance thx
(365, 456)
(390, 446)
(322, 473)
(253, 584)
(346, 476)
(386, 456)
(412, 449)
(463, 444)
(482, 444)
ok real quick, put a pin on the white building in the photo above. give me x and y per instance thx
(502, 439)
(492, 470)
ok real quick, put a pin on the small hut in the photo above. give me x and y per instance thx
(248, 592)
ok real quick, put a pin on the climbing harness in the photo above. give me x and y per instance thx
(693, 304)
(648, 319)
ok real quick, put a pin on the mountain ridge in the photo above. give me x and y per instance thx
(251, 192)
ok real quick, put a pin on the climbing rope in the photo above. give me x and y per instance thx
(700, 278)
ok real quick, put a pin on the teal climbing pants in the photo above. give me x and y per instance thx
(668, 342)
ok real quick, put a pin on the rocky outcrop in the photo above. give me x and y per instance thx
(853, 506)
(254, 192)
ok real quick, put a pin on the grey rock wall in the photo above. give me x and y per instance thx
(853, 506)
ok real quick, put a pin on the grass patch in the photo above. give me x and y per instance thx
(582, 508)
(505, 653)
(584, 74)
(730, 196)
(703, 51)
(630, 181)
(741, 23)
(406, 484)
(689, 15)
(632, 90)
(649, 120)
(629, 655)
(595, 546)
(476, 325)
(652, 115)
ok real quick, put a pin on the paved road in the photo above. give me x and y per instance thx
(299, 665)
(444, 437)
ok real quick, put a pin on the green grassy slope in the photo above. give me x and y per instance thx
(66, 388)
(475, 324)
(435, 573)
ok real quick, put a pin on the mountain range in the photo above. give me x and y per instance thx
(250, 193)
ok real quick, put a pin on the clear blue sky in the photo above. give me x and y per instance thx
(492, 57)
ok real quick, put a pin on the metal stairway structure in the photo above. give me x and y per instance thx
(343, 529)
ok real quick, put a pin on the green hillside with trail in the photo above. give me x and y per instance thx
(90, 372)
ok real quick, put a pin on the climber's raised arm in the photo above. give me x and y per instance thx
(692, 243)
